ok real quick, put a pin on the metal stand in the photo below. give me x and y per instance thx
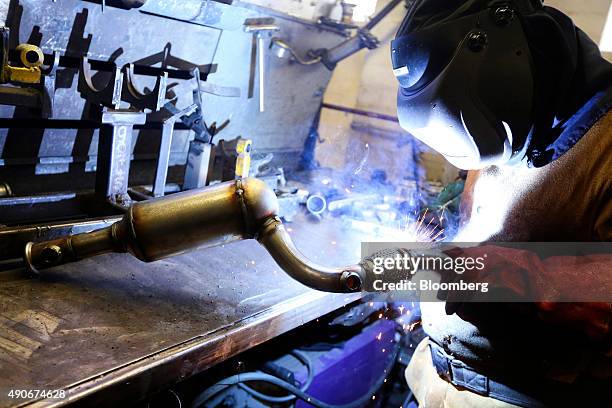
(114, 154)
(117, 125)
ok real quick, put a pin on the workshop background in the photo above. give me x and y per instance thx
(365, 82)
(323, 140)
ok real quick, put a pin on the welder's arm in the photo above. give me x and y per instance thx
(552, 281)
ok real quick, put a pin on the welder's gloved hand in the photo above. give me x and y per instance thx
(393, 266)
(375, 269)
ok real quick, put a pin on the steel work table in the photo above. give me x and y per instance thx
(111, 325)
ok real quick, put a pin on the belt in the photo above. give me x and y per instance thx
(458, 373)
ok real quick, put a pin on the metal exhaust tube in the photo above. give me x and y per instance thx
(163, 227)
(277, 241)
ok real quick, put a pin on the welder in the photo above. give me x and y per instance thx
(514, 92)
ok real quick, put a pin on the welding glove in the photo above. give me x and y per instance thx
(389, 271)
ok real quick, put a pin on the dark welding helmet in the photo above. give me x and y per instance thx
(466, 84)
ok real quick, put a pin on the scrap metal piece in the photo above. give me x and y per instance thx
(316, 204)
(224, 213)
(218, 90)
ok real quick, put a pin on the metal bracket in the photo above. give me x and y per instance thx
(117, 125)
(114, 154)
(153, 100)
(48, 86)
(109, 96)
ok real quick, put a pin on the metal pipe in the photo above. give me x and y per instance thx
(277, 241)
(220, 214)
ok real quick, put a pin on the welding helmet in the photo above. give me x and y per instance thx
(466, 83)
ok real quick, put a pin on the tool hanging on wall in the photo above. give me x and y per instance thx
(261, 29)
(116, 126)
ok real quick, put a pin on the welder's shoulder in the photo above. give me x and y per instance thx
(594, 151)
(467, 197)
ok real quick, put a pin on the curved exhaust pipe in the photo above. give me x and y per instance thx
(163, 227)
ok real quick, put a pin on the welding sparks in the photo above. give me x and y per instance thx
(408, 230)
(418, 231)
(410, 327)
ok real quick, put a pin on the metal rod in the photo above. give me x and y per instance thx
(161, 172)
(278, 243)
(361, 112)
(261, 51)
(38, 123)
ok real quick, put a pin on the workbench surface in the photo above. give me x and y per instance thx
(110, 325)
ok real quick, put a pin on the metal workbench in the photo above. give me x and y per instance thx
(114, 325)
